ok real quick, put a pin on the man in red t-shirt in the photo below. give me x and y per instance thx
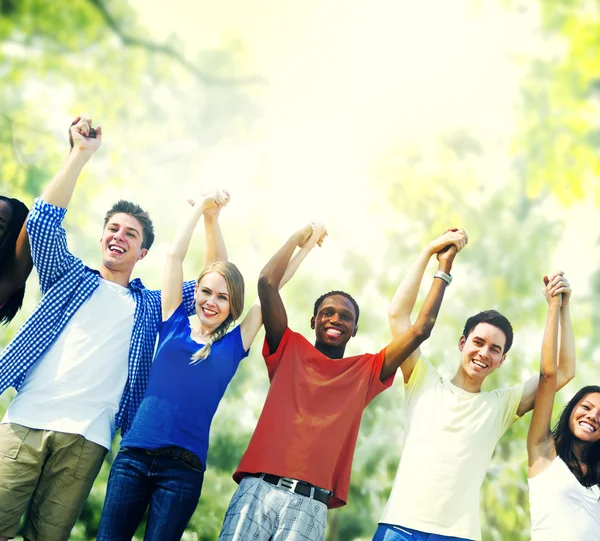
(299, 459)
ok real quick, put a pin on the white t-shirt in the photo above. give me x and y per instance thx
(562, 508)
(450, 438)
(77, 385)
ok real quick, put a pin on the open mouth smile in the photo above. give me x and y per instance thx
(479, 363)
(588, 427)
(332, 332)
(115, 249)
(208, 312)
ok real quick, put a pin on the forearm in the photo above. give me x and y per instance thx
(543, 399)
(548, 368)
(61, 187)
(405, 297)
(433, 302)
(566, 350)
(23, 261)
(215, 243)
(405, 343)
(295, 263)
(181, 242)
(274, 271)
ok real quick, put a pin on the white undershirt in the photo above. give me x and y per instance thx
(77, 385)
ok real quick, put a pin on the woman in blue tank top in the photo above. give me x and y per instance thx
(564, 464)
(160, 466)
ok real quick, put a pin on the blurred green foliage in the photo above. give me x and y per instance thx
(95, 56)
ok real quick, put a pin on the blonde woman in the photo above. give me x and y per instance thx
(162, 460)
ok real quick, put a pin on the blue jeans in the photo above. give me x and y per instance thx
(388, 532)
(167, 486)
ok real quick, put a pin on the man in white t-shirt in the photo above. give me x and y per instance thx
(452, 426)
(80, 363)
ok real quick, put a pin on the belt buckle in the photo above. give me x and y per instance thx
(287, 483)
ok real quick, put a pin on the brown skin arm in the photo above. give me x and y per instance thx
(400, 349)
(18, 269)
(273, 311)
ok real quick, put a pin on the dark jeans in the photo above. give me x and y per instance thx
(388, 532)
(167, 486)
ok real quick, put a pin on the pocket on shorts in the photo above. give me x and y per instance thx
(12, 437)
(89, 461)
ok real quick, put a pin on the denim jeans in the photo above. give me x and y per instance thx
(388, 532)
(168, 487)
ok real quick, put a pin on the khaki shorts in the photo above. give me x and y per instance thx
(53, 470)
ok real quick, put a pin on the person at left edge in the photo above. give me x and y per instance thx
(80, 363)
(15, 257)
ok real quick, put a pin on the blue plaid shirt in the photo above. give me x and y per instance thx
(66, 283)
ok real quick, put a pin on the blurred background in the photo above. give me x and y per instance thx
(388, 120)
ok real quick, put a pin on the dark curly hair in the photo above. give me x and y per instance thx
(337, 292)
(7, 249)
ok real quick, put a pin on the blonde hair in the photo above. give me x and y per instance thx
(235, 288)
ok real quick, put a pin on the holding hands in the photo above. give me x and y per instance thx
(211, 202)
(557, 289)
(449, 244)
(311, 235)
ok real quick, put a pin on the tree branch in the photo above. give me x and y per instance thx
(154, 47)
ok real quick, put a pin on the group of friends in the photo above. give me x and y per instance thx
(84, 364)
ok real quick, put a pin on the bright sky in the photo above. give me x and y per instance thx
(347, 80)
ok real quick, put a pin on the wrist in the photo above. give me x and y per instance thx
(443, 276)
(444, 266)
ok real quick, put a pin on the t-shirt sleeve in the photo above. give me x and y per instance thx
(187, 297)
(509, 398)
(377, 386)
(422, 374)
(272, 360)
(176, 321)
(236, 345)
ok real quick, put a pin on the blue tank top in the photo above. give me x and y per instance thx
(182, 398)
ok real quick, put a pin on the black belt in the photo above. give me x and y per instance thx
(294, 485)
(178, 453)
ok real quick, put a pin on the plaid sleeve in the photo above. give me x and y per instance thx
(187, 297)
(48, 241)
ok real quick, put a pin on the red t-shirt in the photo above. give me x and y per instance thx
(309, 424)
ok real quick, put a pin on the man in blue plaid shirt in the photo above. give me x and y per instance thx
(80, 363)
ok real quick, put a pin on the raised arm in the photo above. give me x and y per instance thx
(404, 345)
(173, 271)
(61, 187)
(253, 320)
(215, 243)
(540, 443)
(269, 282)
(557, 285)
(405, 297)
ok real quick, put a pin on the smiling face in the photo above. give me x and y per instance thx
(334, 323)
(212, 300)
(584, 422)
(121, 243)
(482, 351)
(6, 214)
